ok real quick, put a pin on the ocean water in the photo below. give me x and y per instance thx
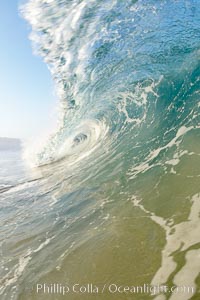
(113, 195)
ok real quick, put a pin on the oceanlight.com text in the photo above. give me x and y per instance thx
(112, 288)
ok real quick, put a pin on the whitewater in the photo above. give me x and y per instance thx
(112, 195)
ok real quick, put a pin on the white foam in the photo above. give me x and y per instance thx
(143, 167)
(13, 275)
(184, 236)
(76, 13)
(55, 200)
(187, 275)
(179, 237)
(42, 245)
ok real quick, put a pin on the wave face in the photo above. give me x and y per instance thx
(124, 69)
(119, 179)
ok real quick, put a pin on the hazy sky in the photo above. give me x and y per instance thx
(27, 100)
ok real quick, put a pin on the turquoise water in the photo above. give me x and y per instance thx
(113, 194)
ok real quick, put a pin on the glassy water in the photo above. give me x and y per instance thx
(113, 196)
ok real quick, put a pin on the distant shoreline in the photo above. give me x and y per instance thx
(12, 144)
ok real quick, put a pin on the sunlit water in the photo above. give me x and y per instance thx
(113, 196)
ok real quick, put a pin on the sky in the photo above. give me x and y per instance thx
(27, 97)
